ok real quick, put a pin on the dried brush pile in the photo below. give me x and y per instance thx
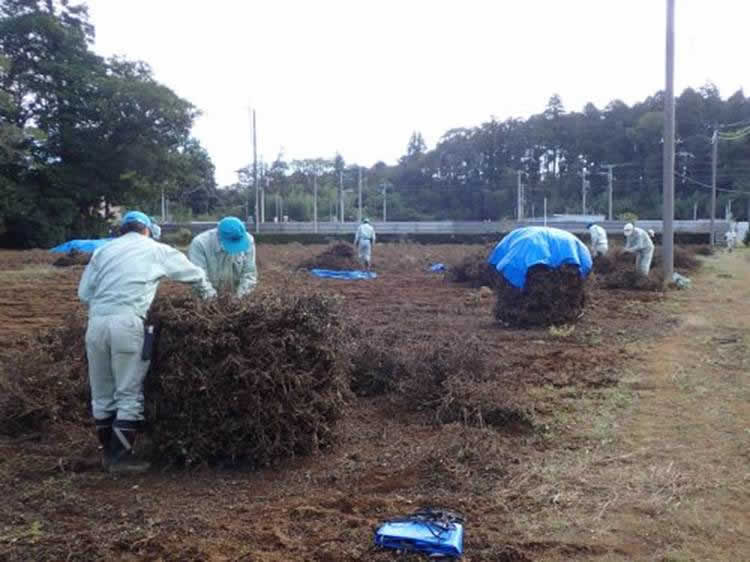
(475, 270)
(338, 256)
(232, 381)
(447, 381)
(246, 381)
(47, 383)
(550, 297)
(74, 257)
(616, 270)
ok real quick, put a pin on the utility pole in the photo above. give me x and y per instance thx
(341, 194)
(163, 207)
(714, 164)
(315, 202)
(584, 188)
(360, 196)
(545, 210)
(519, 197)
(668, 195)
(255, 176)
(385, 214)
(610, 180)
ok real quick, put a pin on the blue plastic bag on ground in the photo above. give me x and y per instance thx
(432, 532)
(345, 275)
(80, 245)
(437, 267)
(533, 245)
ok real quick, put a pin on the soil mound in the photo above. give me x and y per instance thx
(339, 256)
(550, 297)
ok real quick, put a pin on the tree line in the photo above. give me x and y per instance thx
(80, 134)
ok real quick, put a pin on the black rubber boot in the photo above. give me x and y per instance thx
(123, 459)
(104, 434)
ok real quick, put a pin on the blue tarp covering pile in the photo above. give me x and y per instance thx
(437, 267)
(346, 275)
(80, 246)
(533, 245)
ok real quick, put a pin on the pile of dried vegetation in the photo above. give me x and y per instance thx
(474, 270)
(616, 270)
(74, 257)
(339, 256)
(549, 297)
(232, 381)
(444, 380)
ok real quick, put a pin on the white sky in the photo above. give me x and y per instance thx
(358, 77)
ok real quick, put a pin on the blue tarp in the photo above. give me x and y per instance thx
(80, 245)
(437, 267)
(533, 245)
(422, 536)
(347, 275)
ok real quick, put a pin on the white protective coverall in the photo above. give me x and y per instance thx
(119, 285)
(599, 243)
(730, 237)
(224, 271)
(640, 244)
(364, 240)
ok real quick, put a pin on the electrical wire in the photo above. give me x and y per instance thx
(701, 184)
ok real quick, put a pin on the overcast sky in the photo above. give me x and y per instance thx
(358, 77)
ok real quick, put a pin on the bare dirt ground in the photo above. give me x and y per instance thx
(638, 449)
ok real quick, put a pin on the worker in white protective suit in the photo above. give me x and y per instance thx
(730, 237)
(118, 285)
(155, 230)
(227, 255)
(364, 240)
(599, 243)
(638, 242)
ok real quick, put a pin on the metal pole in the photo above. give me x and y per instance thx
(163, 207)
(255, 176)
(360, 196)
(545, 211)
(315, 203)
(714, 163)
(668, 195)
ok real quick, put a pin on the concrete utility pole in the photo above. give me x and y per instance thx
(255, 176)
(341, 194)
(610, 180)
(385, 213)
(668, 195)
(359, 202)
(315, 202)
(519, 197)
(584, 188)
(714, 164)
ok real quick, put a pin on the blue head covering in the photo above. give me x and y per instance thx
(135, 216)
(233, 236)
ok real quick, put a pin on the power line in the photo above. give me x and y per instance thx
(701, 184)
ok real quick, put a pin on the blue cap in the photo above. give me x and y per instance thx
(233, 236)
(136, 216)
